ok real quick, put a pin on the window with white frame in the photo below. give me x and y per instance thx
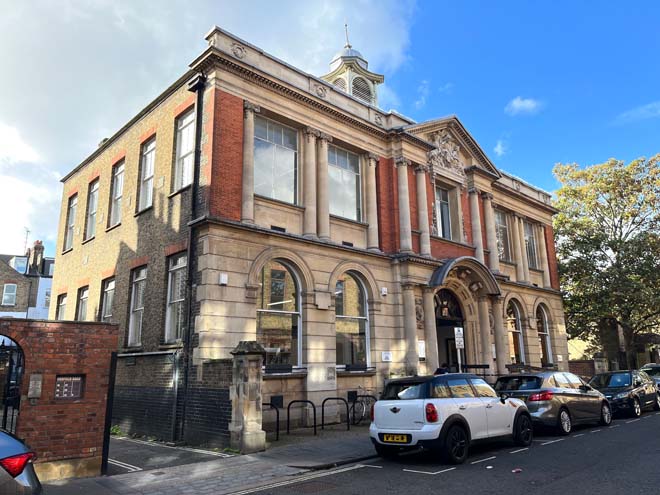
(116, 193)
(278, 314)
(516, 340)
(443, 212)
(146, 193)
(107, 299)
(138, 285)
(185, 150)
(81, 304)
(9, 295)
(530, 245)
(502, 232)
(344, 183)
(19, 263)
(92, 207)
(176, 298)
(351, 322)
(543, 329)
(61, 307)
(275, 160)
(70, 222)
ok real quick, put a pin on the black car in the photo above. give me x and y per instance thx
(629, 392)
(653, 370)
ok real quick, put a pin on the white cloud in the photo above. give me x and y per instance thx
(643, 112)
(106, 59)
(423, 91)
(523, 106)
(446, 88)
(501, 147)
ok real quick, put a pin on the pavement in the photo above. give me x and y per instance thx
(150, 468)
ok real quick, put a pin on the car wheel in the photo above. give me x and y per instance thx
(522, 433)
(386, 451)
(605, 414)
(564, 423)
(636, 409)
(456, 445)
(656, 404)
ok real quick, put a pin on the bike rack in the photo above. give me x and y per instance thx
(348, 419)
(288, 413)
(277, 415)
(366, 396)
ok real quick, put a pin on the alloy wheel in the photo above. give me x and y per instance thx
(525, 430)
(457, 443)
(606, 415)
(637, 408)
(565, 421)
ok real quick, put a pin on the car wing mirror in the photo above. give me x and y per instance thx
(503, 397)
(585, 388)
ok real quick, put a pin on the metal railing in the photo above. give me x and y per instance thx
(348, 423)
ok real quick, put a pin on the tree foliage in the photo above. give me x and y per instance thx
(608, 245)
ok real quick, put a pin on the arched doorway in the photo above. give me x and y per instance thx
(11, 373)
(448, 315)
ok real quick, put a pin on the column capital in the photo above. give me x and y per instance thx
(251, 107)
(421, 169)
(408, 285)
(311, 131)
(428, 289)
(400, 161)
(372, 156)
(473, 190)
(487, 196)
(324, 137)
(496, 299)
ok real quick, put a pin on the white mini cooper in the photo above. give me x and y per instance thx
(445, 413)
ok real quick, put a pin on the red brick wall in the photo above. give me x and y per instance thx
(412, 197)
(443, 249)
(583, 368)
(552, 256)
(387, 204)
(225, 128)
(58, 429)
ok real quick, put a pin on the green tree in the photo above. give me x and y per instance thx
(608, 245)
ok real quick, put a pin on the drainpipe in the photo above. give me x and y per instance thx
(195, 85)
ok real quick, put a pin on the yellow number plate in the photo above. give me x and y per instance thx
(395, 438)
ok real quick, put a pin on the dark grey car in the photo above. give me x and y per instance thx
(557, 399)
(17, 476)
(653, 370)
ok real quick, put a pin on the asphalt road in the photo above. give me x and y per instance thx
(622, 458)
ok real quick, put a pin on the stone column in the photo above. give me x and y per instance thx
(247, 195)
(405, 229)
(475, 217)
(423, 211)
(540, 235)
(491, 232)
(484, 331)
(523, 248)
(246, 434)
(517, 251)
(309, 182)
(410, 328)
(372, 207)
(430, 330)
(322, 197)
(501, 340)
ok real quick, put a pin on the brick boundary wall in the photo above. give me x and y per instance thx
(66, 434)
(582, 367)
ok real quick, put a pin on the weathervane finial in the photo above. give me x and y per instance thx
(348, 45)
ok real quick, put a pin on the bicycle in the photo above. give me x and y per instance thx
(361, 408)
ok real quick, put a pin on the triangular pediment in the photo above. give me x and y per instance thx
(449, 135)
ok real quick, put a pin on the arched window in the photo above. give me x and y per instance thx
(278, 314)
(352, 322)
(340, 84)
(514, 325)
(361, 89)
(543, 328)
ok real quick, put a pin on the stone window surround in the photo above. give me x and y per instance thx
(454, 194)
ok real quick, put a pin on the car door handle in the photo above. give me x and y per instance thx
(489, 406)
(462, 407)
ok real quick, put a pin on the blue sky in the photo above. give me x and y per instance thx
(536, 83)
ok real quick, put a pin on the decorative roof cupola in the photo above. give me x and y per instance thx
(349, 72)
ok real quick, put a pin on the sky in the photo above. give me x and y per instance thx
(535, 83)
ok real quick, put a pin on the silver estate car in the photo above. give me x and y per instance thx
(557, 399)
(17, 476)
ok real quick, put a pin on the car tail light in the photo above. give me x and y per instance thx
(371, 413)
(547, 395)
(431, 413)
(15, 464)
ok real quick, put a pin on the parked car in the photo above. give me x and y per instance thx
(446, 414)
(557, 399)
(629, 392)
(653, 370)
(17, 476)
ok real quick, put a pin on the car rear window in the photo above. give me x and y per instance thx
(404, 391)
(518, 383)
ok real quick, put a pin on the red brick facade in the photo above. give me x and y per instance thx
(552, 256)
(66, 434)
(387, 200)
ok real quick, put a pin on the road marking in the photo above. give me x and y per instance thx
(578, 435)
(657, 414)
(594, 431)
(129, 467)
(615, 426)
(633, 420)
(426, 472)
(370, 466)
(185, 449)
(646, 417)
(484, 460)
(519, 450)
(301, 479)
(553, 441)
